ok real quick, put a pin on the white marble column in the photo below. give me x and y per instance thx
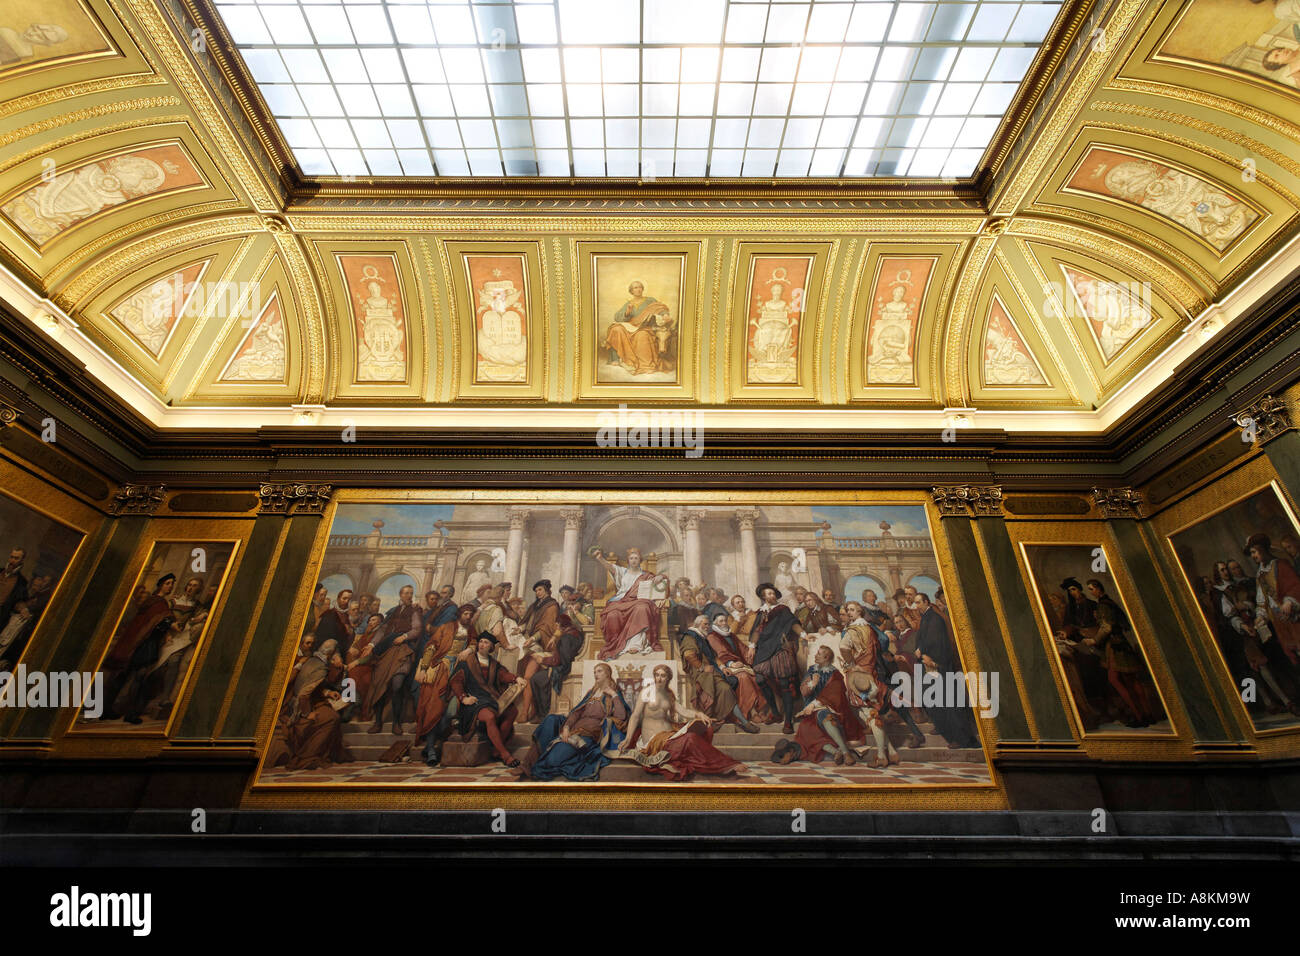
(515, 547)
(569, 562)
(689, 523)
(745, 518)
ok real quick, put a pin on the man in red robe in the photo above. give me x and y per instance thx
(827, 721)
(629, 623)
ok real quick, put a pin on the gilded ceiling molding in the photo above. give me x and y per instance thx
(219, 340)
(1123, 242)
(458, 351)
(102, 271)
(1120, 502)
(77, 116)
(973, 271)
(516, 226)
(136, 500)
(291, 499)
(718, 310)
(1220, 104)
(176, 59)
(421, 244)
(1000, 258)
(1063, 113)
(64, 119)
(1050, 287)
(1267, 418)
(1128, 258)
(307, 289)
(571, 250)
(980, 501)
(851, 267)
(1245, 142)
(70, 91)
(200, 321)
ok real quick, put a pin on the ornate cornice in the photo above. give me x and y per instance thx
(137, 499)
(1266, 419)
(1118, 502)
(964, 500)
(294, 499)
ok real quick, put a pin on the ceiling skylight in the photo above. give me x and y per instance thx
(638, 88)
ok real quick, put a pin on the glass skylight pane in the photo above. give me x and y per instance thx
(639, 88)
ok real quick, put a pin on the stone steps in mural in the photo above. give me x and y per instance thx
(729, 739)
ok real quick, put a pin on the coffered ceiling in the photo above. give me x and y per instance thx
(158, 221)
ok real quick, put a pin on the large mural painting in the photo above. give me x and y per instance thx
(656, 643)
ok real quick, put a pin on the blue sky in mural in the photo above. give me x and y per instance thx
(857, 521)
(398, 519)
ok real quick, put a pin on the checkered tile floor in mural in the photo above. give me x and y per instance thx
(934, 773)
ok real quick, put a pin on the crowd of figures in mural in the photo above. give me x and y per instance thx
(1244, 565)
(37, 552)
(613, 658)
(1102, 660)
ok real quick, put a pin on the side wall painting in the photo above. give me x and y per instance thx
(35, 551)
(160, 630)
(1242, 565)
(474, 642)
(1098, 649)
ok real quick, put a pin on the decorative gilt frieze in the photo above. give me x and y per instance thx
(1266, 419)
(8, 415)
(137, 500)
(293, 499)
(963, 500)
(1118, 502)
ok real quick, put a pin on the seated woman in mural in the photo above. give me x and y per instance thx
(312, 738)
(573, 746)
(639, 335)
(629, 622)
(667, 738)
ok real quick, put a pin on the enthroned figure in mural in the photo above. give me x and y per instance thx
(629, 622)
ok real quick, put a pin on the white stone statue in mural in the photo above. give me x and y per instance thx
(382, 351)
(785, 582)
(502, 342)
(475, 580)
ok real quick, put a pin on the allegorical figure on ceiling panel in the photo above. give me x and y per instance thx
(777, 291)
(500, 317)
(1205, 209)
(896, 311)
(1257, 37)
(68, 197)
(637, 331)
(375, 296)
